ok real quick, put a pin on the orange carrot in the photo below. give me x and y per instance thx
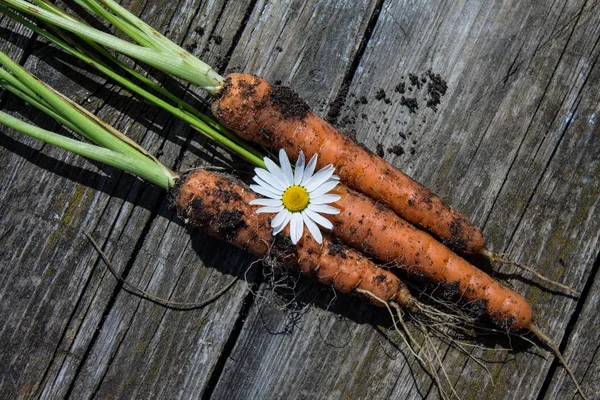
(220, 206)
(378, 231)
(276, 117)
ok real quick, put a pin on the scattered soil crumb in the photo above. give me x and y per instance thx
(400, 88)
(351, 134)
(380, 95)
(397, 150)
(361, 100)
(410, 103)
(347, 120)
(379, 150)
(191, 47)
(436, 88)
(415, 81)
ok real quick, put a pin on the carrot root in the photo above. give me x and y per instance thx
(550, 343)
(498, 258)
(416, 349)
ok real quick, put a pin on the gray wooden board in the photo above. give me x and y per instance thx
(514, 144)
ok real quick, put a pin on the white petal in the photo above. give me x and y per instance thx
(270, 210)
(323, 209)
(299, 170)
(323, 189)
(286, 167)
(280, 221)
(271, 179)
(319, 219)
(310, 168)
(319, 178)
(296, 227)
(267, 186)
(326, 198)
(265, 202)
(261, 190)
(312, 228)
(275, 170)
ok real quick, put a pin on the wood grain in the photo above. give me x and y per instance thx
(514, 144)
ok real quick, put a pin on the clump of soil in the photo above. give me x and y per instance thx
(400, 88)
(414, 80)
(380, 95)
(229, 222)
(288, 102)
(436, 88)
(336, 247)
(411, 103)
(379, 150)
(396, 149)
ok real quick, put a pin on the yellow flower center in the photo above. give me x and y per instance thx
(295, 198)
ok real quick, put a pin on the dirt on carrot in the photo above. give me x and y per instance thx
(247, 105)
(219, 205)
(379, 232)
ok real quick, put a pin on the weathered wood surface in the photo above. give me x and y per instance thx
(514, 144)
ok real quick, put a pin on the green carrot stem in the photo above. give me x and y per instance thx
(133, 32)
(181, 64)
(73, 115)
(150, 172)
(184, 111)
(59, 105)
(11, 84)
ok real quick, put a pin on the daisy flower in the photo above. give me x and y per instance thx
(298, 197)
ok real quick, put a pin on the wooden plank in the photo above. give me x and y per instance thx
(582, 348)
(520, 77)
(307, 45)
(476, 145)
(512, 143)
(45, 263)
(316, 357)
(147, 335)
(66, 318)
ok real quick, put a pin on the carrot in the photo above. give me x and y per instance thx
(220, 207)
(378, 231)
(276, 117)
